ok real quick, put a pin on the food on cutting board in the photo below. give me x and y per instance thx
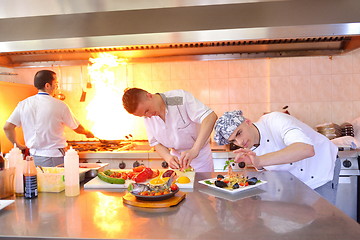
(157, 181)
(139, 174)
(143, 174)
(183, 180)
(111, 177)
(168, 173)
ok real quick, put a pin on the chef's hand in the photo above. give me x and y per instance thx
(173, 161)
(186, 157)
(247, 156)
(89, 134)
(21, 146)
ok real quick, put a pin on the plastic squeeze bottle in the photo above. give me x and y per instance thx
(30, 178)
(16, 160)
(71, 165)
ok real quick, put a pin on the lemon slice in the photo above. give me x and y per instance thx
(157, 181)
(165, 179)
(183, 180)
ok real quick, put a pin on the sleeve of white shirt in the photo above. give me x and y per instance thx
(196, 110)
(289, 129)
(69, 118)
(15, 117)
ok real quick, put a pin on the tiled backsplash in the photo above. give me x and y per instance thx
(317, 89)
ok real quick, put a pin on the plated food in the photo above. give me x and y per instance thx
(156, 190)
(232, 183)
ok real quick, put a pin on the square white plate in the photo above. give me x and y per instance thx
(231, 190)
(5, 203)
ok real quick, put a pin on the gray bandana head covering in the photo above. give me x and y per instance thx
(226, 125)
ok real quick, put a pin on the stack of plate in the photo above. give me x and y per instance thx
(347, 129)
(330, 130)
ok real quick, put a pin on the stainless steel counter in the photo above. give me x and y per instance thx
(284, 208)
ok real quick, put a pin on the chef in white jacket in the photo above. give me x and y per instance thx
(278, 141)
(178, 126)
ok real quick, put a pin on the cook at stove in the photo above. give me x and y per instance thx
(278, 141)
(43, 118)
(178, 126)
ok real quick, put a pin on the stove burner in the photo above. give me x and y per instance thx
(96, 146)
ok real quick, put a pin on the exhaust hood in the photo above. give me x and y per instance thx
(73, 31)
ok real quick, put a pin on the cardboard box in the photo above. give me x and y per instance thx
(7, 182)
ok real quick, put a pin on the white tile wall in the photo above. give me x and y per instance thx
(317, 89)
(320, 65)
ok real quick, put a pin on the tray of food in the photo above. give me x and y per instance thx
(155, 194)
(122, 178)
(232, 183)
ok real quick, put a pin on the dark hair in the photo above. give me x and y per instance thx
(131, 98)
(42, 77)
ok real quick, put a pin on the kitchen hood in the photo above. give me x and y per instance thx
(70, 32)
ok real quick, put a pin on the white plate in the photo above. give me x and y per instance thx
(230, 190)
(5, 203)
(232, 197)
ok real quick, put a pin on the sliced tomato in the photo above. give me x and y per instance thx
(124, 175)
(131, 174)
(115, 175)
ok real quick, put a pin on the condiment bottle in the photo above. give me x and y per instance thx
(30, 178)
(16, 160)
(72, 179)
(13, 155)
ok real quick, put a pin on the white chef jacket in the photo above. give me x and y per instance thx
(43, 119)
(278, 130)
(183, 116)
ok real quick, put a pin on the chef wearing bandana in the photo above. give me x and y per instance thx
(178, 125)
(278, 141)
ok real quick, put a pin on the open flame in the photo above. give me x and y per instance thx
(105, 110)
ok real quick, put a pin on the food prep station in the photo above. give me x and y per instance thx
(280, 209)
(129, 154)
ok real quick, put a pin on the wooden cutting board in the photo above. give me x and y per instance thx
(133, 201)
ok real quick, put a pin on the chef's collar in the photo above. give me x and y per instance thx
(164, 99)
(262, 132)
(43, 93)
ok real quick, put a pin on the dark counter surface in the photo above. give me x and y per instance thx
(283, 208)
